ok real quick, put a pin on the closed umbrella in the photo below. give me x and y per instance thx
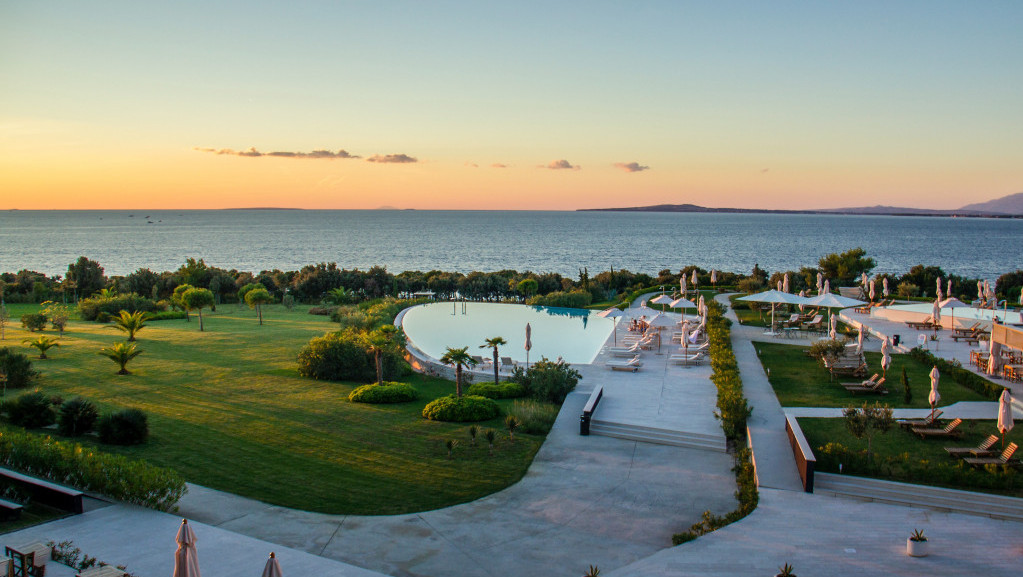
(936, 315)
(884, 286)
(937, 291)
(781, 286)
(948, 288)
(994, 359)
(827, 287)
(934, 397)
(612, 313)
(273, 568)
(1021, 296)
(1004, 414)
(701, 306)
(802, 293)
(834, 328)
(186, 559)
(682, 285)
(694, 279)
(886, 355)
(820, 283)
(871, 290)
(859, 340)
(713, 276)
(685, 342)
(785, 284)
(529, 342)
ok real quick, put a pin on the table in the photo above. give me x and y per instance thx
(28, 560)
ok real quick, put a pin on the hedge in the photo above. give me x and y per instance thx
(957, 373)
(128, 480)
(733, 407)
(461, 409)
(497, 391)
(387, 392)
(101, 309)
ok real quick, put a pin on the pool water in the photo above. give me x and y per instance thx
(963, 313)
(576, 335)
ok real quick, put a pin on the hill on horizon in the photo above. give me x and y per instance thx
(1011, 204)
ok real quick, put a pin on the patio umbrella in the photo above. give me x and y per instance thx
(661, 300)
(659, 322)
(785, 284)
(859, 340)
(641, 311)
(186, 559)
(937, 291)
(948, 288)
(682, 284)
(774, 297)
(884, 286)
(682, 303)
(1021, 296)
(685, 341)
(273, 568)
(781, 287)
(994, 357)
(827, 287)
(871, 295)
(701, 306)
(820, 283)
(1004, 414)
(529, 342)
(886, 355)
(980, 289)
(713, 276)
(934, 397)
(694, 279)
(936, 315)
(833, 333)
(953, 303)
(612, 313)
(832, 301)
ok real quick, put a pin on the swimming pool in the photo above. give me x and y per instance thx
(963, 314)
(575, 335)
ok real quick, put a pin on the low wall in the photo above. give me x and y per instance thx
(805, 461)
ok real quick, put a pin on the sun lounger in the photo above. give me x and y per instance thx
(687, 359)
(928, 421)
(814, 324)
(627, 352)
(966, 331)
(793, 321)
(631, 365)
(950, 430)
(875, 387)
(926, 324)
(1006, 458)
(981, 450)
(508, 363)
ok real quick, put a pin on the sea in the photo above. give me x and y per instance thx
(540, 241)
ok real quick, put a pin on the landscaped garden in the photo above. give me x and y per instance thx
(228, 409)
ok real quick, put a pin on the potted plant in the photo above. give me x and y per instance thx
(785, 571)
(916, 545)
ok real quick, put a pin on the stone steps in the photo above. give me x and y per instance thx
(970, 503)
(659, 436)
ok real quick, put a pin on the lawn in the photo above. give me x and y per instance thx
(228, 410)
(800, 381)
(918, 460)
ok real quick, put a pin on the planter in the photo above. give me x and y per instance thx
(917, 548)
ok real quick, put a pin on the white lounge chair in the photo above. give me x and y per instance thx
(631, 365)
(626, 352)
(686, 359)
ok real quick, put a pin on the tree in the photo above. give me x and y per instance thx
(142, 281)
(58, 314)
(847, 267)
(459, 358)
(527, 287)
(43, 343)
(865, 421)
(130, 323)
(495, 342)
(376, 343)
(121, 353)
(196, 299)
(907, 393)
(512, 423)
(176, 298)
(340, 295)
(194, 272)
(256, 298)
(86, 275)
(4, 317)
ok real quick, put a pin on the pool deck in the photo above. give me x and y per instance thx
(584, 500)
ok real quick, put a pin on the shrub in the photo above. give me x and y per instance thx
(33, 321)
(125, 427)
(100, 308)
(17, 367)
(907, 289)
(124, 479)
(827, 348)
(733, 407)
(461, 409)
(497, 390)
(387, 392)
(576, 299)
(165, 316)
(324, 311)
(547, 380)
(343, 356)
(77, 417)
(31, 410)
(535, 417)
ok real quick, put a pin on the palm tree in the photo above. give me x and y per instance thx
(459, 358)
(42, 343)
(376, 343)
(494, 343)
(121, 353)
(340, 295)
(130, 323)
(512, 423)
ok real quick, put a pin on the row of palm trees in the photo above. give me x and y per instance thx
(120, 353)
(460, 358)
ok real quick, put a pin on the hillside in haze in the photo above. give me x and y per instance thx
(1012, 204)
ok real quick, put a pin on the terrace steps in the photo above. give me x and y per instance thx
(938, 498)
(658, 436)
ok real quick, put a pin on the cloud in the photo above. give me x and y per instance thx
(498, 165)
(253, 153)
(562, 165)
(392, 158)
(472, 165)
(631, 166)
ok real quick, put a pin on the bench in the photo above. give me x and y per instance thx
(45, 492)
(589, 408)
(9, 510)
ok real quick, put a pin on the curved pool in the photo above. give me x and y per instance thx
(576, 335)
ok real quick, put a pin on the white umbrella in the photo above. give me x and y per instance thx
(934, 397)
(937, 292)
(661, 300)
(886, 356)
(1021, 296)
(994, 357)
(802, 293)
(1004, 414)
(781, 287)
(953, 303)
(948, 288)
(659, 322)
(863, 279)
(682, 285)
(529, 342)
(859, 340)
(713, 276)
(833, 301)
(612, 313)
(785, 284)
(694, 279)
(186, 559)
(685, 342)
(871, 290)
(682, 303)
(642, 311)
(833, 333)
(820, 283)
(827, 287)
(774, 297)
(273, 568)
(884, 286)
(701, 306)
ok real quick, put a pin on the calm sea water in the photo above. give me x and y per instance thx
(563, 242)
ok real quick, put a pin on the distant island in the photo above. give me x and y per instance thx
(1006, 207)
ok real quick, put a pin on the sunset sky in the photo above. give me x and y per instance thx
(518, 105)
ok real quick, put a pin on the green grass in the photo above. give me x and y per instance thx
(800, 381)
(898, 441)
(228, 410)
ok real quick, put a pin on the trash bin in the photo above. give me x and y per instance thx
(895, 340)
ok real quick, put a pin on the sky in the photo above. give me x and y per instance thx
(517, 105)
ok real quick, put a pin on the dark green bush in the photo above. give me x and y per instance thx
(507, 390)
(77, 417)
(344, 356)
(17, 367)
(91, 309)
(733, 407)
(323, 311)
(957, 373)
(547, 380)
(31, 410)
(125, 427)
(576, 299)
(461, 409)
(388, 392)
(33, 321)
(124, 479)
(165, 316)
